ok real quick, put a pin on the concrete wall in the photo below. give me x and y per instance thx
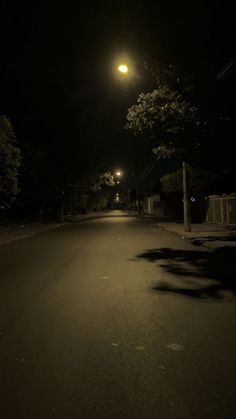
(154, 205)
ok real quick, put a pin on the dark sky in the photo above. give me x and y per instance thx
(58, 84)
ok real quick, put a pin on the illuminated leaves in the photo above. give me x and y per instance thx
(165, 117)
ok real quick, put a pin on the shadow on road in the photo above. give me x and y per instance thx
(196, 273)
(202, 240)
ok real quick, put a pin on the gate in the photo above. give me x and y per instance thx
(221, 210)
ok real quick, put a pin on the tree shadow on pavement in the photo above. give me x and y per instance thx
(201, 240)
(196, 273)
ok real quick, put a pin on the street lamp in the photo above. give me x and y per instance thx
(126, 70)
(187, 217)
(123, 68)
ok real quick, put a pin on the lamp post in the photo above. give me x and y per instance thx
(125, 70)
(186, 204)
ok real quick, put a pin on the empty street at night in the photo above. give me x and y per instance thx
(115, 318)
(117, 210)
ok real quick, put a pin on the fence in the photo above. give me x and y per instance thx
(221, 210)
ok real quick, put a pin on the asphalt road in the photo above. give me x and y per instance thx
(114, 318)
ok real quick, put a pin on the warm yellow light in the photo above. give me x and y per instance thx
(118, 173)
(123, 68)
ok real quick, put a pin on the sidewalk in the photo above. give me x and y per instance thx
(12, 230)
(207, 235)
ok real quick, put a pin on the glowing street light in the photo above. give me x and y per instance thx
(118, 173)
(123, 68)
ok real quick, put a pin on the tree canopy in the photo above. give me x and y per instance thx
(169, 121)
(200, 181)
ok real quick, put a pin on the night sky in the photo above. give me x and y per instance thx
(58, 84)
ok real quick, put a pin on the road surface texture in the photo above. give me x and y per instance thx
(114, 318)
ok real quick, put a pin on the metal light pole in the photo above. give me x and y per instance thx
(123, 68)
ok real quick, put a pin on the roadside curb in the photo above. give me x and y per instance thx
(189, 240)
(172, 232)
(197, 241)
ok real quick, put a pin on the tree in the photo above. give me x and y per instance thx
(86, 191)
(10, 158)
(172, 77)
(200, 181)
(99, 184)
(172, 125)
(34, 181)
(98, 179)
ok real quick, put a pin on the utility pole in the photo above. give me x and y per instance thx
(187, 217)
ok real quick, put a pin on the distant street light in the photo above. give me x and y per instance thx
(119, 173)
